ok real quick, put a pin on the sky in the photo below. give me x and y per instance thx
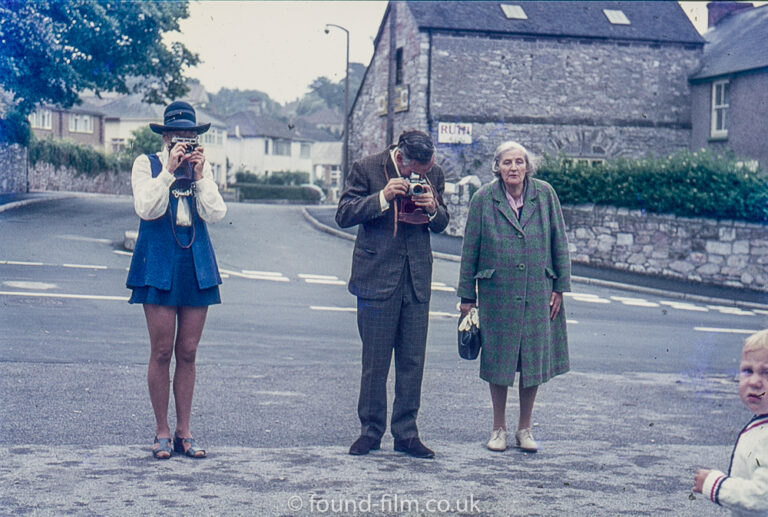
(280, 47)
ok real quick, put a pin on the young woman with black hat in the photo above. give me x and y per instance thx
(173, 272)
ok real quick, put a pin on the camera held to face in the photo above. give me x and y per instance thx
(416, 185)
(190, 144)
(184, 171)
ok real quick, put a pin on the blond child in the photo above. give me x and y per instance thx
(744, 490)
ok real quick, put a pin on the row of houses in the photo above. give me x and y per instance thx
(246, 141)
(588, 80)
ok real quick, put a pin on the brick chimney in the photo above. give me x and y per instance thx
(720, 9)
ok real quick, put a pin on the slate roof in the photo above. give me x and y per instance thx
(655, 21)
(254, 125)
(131, 107)
(737, 44)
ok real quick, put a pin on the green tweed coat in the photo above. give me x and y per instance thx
(516, 265)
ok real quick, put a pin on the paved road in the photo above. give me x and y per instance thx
(278, 377)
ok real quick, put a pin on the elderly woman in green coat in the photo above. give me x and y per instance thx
(515, 268)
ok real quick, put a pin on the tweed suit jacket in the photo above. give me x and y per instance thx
(379, 256)
(514, 265)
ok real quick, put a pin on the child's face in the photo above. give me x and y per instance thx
(753, 381)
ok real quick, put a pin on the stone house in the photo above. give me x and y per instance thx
(730, 105)
(591, 80)
(83, 124)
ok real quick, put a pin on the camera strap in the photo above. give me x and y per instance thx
(173, 228)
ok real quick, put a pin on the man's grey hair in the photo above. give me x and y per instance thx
(509, 145)
(415, 145)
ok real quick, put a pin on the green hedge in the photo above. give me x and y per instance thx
(275, 192)
(688, 184)
(275, 178)
(82, 159)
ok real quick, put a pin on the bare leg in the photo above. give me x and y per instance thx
(499, 401)
(191, 322)
(161, 322)
(527, 398)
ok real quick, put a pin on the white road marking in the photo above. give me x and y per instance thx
(307, 276)
(86, 239)
(439, 314)
(634, 302)
(443, 288)
(20, 284)
(760, 311)
(75, 296)
(336, 309)
(121, 252)
(324, 281)
(572, 322)
(728, 331)
(19, 263)
(684, 306)
(256, 275)
(589, 298)
(261, 273)
(83, 266)
(725, 309)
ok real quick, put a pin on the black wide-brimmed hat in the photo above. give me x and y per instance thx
(179, 116)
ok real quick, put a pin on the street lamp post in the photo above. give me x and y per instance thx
(345, 157)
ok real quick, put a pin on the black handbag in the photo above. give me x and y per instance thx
(469, 335)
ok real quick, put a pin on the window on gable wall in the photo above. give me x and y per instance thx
(513, 12)
(616, 16)
(399, 66)
(719, 127)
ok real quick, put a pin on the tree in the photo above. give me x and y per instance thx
(52, 50)
(144, 141)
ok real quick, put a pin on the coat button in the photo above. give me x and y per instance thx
(521, 266)
(518, 298)
(520, 235)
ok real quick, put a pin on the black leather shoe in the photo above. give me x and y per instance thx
(363, 445)
(414, 447)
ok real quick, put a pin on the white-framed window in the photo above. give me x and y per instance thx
(211, 137)
(513, 12)
(616, 16)
(41, 119)
(720, 96)
(281, 147)
(117, 144)
(305, 150)
(80, 123)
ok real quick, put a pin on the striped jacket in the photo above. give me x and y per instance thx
(744, 490)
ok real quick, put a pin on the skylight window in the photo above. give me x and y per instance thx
(513, 12)
(616, 16)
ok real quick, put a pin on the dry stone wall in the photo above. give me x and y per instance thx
(720, 252)
(44, 176)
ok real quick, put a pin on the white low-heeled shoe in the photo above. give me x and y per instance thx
(498, 441)
(525, 440)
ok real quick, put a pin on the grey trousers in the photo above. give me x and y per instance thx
(397, 324)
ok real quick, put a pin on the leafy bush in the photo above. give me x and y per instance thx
(276, 178)
(82, 159)
(701, 184)
(276, 192)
